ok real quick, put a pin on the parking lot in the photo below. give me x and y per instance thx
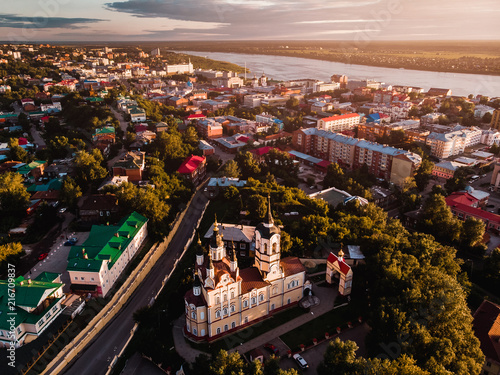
(56, 260)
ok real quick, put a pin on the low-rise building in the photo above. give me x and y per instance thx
(95, 265)
(132, 164)
(486, 325)
(446, 169)
(98, 208)
(194, 169)
(28, 307)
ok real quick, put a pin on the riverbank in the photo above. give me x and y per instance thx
(467, 57)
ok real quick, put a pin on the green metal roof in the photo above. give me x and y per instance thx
(105, 243)
(105, 130)
(47, 277)
(27, 294)
(25, 169)
(54, 184)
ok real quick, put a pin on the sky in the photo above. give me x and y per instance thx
(150, 20)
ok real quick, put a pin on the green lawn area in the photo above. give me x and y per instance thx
(325, 323)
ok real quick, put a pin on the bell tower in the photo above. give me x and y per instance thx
(267, 247)
(217, 248)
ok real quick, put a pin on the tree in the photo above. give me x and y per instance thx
(257, 205)
(226, 363)
(340, 358)
(472, 232)
(10, 252)
(70, 192)
(424, 174)
(292, 103)
(88, 166)
(231, 169)
(334, 176)
(438, 220)
(487, 118)
(248, 165)
(18, 153)
(14, 198)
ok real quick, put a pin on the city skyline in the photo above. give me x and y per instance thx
(154, 20)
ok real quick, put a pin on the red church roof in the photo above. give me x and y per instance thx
(344, 267)
(190, 164)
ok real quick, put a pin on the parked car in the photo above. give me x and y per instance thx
(62, 210)
(300, 361)
(72, 241)
(272, 349)
(42, 256)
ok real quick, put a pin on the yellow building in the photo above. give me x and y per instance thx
(225, 299)
(495, 119)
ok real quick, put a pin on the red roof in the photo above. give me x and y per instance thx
(461, 197)
(190, 164)
(486, 325)
(195, 116)
(243, 139)
(262, 150)
(140, 128)
(324, 163)
(475, 212)
(344, 267)
(22, 141)
(341, 117)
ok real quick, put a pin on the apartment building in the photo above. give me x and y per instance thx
(444, 145)
(339, 123)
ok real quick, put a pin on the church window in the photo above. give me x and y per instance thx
(289, 301)
(275, 249)
(275, 290)
(265, 248)
(193, 315)
(226, 327)
(195, 332)
(202, 332)
(218, 330)
(217, 300)
(254, 300)
(245, 303)
(224, 312)
(233, 308)
(225, 297)
(272, 306)
(261, 298)
(246, 319)
(217, 314)
(233, 325)
(202, 316)
(232, 294)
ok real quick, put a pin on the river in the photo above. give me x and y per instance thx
(285, 68)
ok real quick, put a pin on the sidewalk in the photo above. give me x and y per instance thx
(327, 297)
(181, 346)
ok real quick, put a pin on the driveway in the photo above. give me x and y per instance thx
(315, 355)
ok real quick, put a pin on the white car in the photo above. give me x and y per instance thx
(300, 361)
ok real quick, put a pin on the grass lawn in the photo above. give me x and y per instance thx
(325, 323)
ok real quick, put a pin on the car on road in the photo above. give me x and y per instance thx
(62, 210)
(70, 242)
(272, 349)
(300, 361)
(42, 256)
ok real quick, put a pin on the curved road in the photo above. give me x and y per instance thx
(99, 354)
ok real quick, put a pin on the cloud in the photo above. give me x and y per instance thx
(20, 22)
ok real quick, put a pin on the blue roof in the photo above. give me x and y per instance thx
(309, 158)
(374, 117)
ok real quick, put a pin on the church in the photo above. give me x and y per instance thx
(225, 298)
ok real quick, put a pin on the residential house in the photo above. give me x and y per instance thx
(463, 205)
(98, 208)
(132, 164)
(194, 169)
(486, 326)
(240, 236)
(206, 148)
(338, 123)
(446, 169)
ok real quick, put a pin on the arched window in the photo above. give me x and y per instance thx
(265, 248)
(254, 300)
(233, 308)
(275, 248)
(245, 303)
(261, 298)
(202, 332)
(246, 319)
(233, 325)
(224, 298)
(275, 290)
(202, 316)
(217, 300)
(224, 312)
(218, 330)
(195, 332)
(226, 327)
(232, 294)
(217, 314)
(193, 314)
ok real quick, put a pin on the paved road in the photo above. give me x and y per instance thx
(98, 355)
(119, 117)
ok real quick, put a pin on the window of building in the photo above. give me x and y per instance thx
(232, 294)
(218, 330)
(243, 245)
(91, 279)
(275, 290)
(217, 314)
(254, 300)
(195, 332)
(265, 248)
(224, 312)
(226, 327)
(261, 298)
(225, 297)
(76, 278)
(288, 301)
(233, 325)
(275, 248)
(193, 314)
(217, 300)
(272, 306)
(82, 278)
(202, 315)
(202, 332)
(245, 303)
(246, 319)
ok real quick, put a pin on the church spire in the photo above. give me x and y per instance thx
(270, 219)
